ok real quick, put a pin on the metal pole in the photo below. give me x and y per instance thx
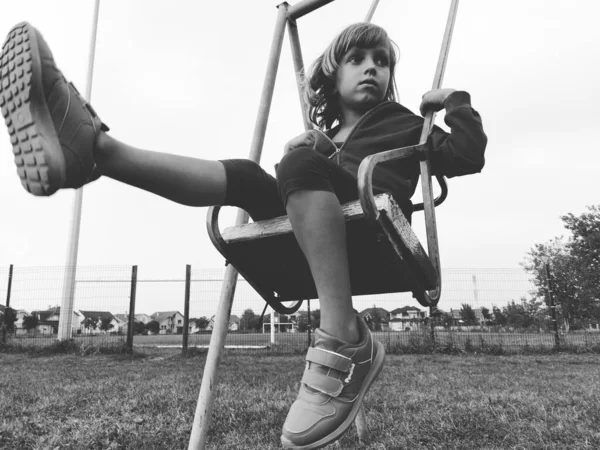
(9, 288)
(272, 327)
(426, 185)
(304, 7)
(131, 321)
(66, 310)
(210, 376)
(186, 307)
(371, 10)
(551, 304)
(299, 68)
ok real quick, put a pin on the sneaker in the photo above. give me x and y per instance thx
(52, 128)
(335, 381)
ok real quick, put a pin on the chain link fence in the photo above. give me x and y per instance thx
(481, 309)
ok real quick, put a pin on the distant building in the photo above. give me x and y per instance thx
(170, 322)
(378, 319)
(92, 321)
(144, 318)
(407, 318)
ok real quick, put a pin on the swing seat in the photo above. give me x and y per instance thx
(384, 254)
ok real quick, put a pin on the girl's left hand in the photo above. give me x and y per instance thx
(433, 100)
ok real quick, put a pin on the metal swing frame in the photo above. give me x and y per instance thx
(380, 209)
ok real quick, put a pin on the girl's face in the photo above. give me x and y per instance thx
(363, 77)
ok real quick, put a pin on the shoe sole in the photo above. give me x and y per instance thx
(339, 431)
(36, 148)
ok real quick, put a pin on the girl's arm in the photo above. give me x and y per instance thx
(460, 152)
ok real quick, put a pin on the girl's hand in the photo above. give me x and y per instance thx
(434, 100)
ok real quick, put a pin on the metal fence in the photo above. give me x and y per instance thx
(179, 313)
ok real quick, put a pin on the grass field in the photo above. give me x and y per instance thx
(147, 401)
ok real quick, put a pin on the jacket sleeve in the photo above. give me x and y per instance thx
(460, 152)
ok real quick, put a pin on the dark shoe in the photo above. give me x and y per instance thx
(335, 381)
(52, 128)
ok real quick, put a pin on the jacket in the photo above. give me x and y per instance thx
(390, 125)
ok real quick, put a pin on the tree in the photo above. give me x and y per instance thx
(249, 321)
(153, 326)
(303, 322)
(138, 327)
(90, 323)
(487, 316)
(467, 315)
(575, 269)
(105, 324)
(202, 322)
(10, 317)
(31, 322)
(499, 316)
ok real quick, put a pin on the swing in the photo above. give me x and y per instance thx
(384, 253)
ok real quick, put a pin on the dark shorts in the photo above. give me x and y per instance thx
(263, 196)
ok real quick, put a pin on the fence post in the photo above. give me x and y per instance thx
(432, 309)
(9, 288)
(551, 304)
(131, 324)
(186, 307)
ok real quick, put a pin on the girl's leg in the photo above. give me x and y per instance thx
(319, 227)
(185, 180)
(318, 224)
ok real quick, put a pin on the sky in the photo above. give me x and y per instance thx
(186, 78)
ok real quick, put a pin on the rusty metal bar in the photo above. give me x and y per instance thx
(426, 185)
(304, 7)
(292, 27)
(208, 387)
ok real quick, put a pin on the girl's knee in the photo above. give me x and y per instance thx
(296, 163)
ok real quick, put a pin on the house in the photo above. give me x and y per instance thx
(19, 328)
(92, 322)
(234, 323)
(122, 322)
(407, 318)
(144, 318)
(169, 322)
(378, 319)
(48, 320)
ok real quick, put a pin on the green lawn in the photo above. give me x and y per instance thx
(419, 402)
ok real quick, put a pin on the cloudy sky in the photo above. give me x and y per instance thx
(185, 77)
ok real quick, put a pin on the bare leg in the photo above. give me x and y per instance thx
(319, 227)
(189, 181)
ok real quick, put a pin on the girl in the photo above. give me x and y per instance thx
(60, 142)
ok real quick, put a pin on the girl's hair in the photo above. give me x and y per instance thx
(319, 85)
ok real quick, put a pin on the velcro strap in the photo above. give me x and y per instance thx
(322, 383)
(329, 359)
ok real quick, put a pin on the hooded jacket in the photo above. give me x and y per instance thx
(390, 125)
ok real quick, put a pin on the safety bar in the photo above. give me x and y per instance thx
(365, 175)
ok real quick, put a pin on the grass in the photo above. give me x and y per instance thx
(147, 401)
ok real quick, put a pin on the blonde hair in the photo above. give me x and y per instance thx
(319, 91)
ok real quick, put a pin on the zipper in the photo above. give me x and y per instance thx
(338, 152)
